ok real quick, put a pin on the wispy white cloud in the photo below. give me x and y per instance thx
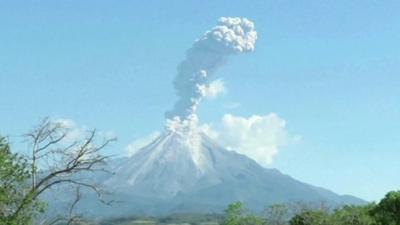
(74, 131)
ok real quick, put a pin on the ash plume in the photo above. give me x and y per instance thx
(231, 36)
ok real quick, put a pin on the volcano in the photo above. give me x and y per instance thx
(180, 172)
(183, 170)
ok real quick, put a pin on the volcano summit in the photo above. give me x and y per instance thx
(169, 175)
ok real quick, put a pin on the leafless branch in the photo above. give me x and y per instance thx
(58, 157)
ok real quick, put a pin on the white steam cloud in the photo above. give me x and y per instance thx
(231, 36)
(258, 136)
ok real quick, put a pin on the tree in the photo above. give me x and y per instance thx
(312, 217)
(14, 173)
(236, 214)
(352, 215)
(387, 212)
(59, 156)
(277, 214)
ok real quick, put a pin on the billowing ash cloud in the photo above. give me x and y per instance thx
(231, 36)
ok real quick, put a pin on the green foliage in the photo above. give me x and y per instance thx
(353, 215)
(236, 214)
(317, 217)
(13, 174)
(387, 212)
(346, 215)
(16, 207)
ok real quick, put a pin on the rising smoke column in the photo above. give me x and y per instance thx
(231, 36)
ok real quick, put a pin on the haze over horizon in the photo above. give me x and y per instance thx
(317, 99)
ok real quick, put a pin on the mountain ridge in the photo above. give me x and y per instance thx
(173, 175)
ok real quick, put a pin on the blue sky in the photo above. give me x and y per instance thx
(329, 69)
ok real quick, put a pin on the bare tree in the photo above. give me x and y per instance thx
(277, 214)
(61, 156)
(71, 218)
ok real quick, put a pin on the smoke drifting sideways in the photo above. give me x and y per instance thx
(231, 36)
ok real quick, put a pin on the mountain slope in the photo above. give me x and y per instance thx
(180, 173)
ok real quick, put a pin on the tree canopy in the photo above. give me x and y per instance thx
(14, 174)
(387, 212)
